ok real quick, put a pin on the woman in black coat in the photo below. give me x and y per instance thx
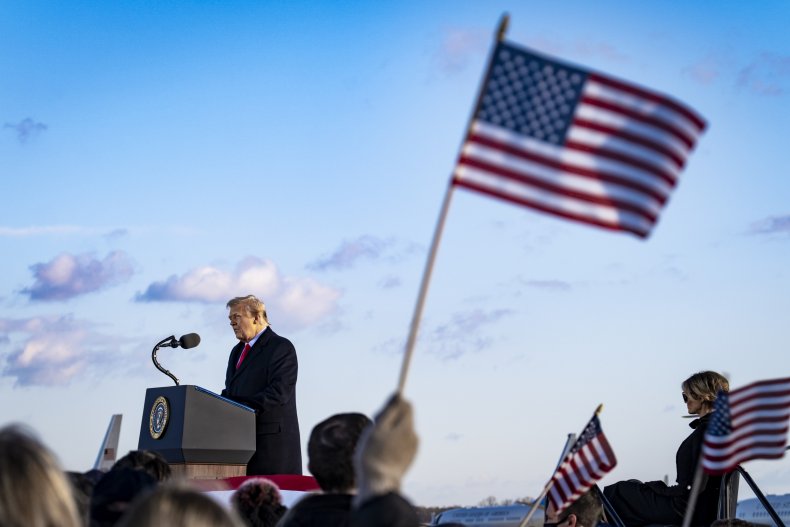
(655, 502)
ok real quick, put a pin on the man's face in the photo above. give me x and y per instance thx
(245, 327)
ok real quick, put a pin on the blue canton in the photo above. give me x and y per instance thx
(590, 432)
(720, 422)
(530, 95)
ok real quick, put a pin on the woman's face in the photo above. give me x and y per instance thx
(694, 406)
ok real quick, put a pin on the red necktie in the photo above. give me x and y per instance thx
(243, 354)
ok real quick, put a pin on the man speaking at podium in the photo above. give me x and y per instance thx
(261, 374)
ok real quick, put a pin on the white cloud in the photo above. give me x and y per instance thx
(291, 301)
(52, 350)
(67, 275)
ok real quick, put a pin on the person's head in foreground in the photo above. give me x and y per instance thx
(331, 451)
(34, 491)
(177, 506)
(586, 511)
(259, 503)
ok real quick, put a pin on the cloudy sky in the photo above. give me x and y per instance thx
(158, 158)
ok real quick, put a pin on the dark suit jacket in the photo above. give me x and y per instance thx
(266, 381)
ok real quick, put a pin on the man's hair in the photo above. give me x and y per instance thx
(178, 506)
(259, 503)
(115, 492)
(254, 306)
(704, 386)
(588, 509)
(331, 450)
(33, 488)
(148, 461)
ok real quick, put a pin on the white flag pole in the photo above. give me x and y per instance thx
(535, 504)
(437, 235)
(695, 490)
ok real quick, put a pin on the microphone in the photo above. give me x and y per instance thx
(190, 340)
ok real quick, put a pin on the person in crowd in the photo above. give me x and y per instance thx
(384, 453)
(150, 462)
(655, 502)
(258, 503)
(586, 511)
(175, 506)
(34, 491)
(261, 374)
(82, 487)
(330, 452)
(115, 492)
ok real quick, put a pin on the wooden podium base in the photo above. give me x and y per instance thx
(207, 471)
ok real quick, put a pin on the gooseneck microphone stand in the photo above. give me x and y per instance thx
(169, 342)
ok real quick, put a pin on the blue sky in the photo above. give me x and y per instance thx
(157, 159)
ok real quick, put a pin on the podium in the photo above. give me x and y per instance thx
(201, 435)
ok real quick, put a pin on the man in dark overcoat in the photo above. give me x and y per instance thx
(261, 374)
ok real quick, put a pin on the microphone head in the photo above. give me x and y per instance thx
(190, 340)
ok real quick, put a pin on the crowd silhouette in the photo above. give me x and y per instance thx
(358, 464)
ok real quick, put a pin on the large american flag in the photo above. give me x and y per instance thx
(748, 423)
(590, 458)
(575, 143)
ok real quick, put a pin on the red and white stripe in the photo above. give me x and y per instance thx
(760, 413)
(579, 472)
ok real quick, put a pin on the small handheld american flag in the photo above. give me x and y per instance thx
(747, 423)
(588, 461)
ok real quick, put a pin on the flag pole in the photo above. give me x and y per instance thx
(695, 490)
(437, 235)
(567, 448)
(566, 451)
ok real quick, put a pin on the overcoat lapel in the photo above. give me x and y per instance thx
(256, 353)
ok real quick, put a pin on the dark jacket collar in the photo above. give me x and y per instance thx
(701, 421)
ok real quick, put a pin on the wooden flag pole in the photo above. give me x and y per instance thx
(695, 490)
(437, 234)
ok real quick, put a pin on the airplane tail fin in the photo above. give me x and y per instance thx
(108, 451)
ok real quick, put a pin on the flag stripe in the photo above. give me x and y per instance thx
(558, 183)
(681, 109)
(598, 217)
(646, 107)
(638, 117)
(652, 149)
(588, 153)
(564, 167)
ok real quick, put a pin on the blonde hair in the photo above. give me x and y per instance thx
(34, 491)
(255, 307)
(705, 386)
(178, 506)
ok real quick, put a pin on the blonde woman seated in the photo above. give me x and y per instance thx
(655, 502)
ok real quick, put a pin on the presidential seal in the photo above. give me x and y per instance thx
(160, 413)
